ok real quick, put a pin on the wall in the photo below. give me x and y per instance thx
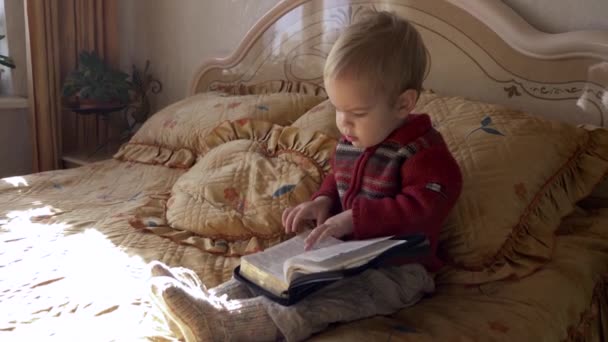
(14, 80)
(15, 142)
(15, 145)
(555, 16)
(178, 36)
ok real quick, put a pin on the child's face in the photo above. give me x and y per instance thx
(362, 117)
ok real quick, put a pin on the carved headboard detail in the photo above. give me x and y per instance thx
(478, 49)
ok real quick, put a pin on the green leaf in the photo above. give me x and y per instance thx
(486, 121)
(94, 79)
(69, 90)
(85, 92)
(491, 131)
(7, 61)
(283, 190)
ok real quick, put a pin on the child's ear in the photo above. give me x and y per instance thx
(406, 102)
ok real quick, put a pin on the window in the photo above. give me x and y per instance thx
(12, 24)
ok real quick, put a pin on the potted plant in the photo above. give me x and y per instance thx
(94, 85)
(143, 83)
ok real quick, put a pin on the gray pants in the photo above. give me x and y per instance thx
(373, 292)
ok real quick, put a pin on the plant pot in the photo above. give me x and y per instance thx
(95, 104)
(91, 106)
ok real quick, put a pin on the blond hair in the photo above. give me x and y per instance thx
(383, 49)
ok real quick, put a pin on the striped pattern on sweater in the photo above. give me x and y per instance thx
(382, 176)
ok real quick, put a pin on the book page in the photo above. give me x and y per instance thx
(361, 256)
(322, 254)
(335, 257)
(271, 260)
(296, 266)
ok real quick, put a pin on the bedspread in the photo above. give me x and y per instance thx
(73, 268)
(71, 265)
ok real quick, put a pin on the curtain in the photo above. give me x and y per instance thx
(57, 31)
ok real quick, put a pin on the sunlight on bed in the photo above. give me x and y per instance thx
(21, 221)
(16, 181)
(27, 215)
(49, 281)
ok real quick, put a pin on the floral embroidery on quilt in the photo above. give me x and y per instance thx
(230, 194)
(134, 197)
(520, 191)
(498, 326)
(237, 203)
(283, 190)
(233, 105)
(104, 197)
(137, 223)
(486, 122)
(242, 122)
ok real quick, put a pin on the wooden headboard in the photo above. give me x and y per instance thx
(479, 49)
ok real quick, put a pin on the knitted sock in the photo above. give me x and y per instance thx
(233, 289)
(202, 317)
(184, 275)
(157, 286)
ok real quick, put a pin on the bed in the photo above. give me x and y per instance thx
(75, 243)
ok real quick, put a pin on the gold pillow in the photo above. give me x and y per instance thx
(175, 135)
(232, 199)
(521, 175)
(598, 198)
(321, 118)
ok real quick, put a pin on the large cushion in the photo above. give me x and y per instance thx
(522, 174)
(231, 201)
(175, 135)
(320, 118)
(598, 198)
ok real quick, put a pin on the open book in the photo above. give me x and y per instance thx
(286, 273)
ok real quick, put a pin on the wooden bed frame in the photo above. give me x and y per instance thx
(479, 49)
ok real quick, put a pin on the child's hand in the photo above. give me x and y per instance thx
(294, 217)
(336, 226)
